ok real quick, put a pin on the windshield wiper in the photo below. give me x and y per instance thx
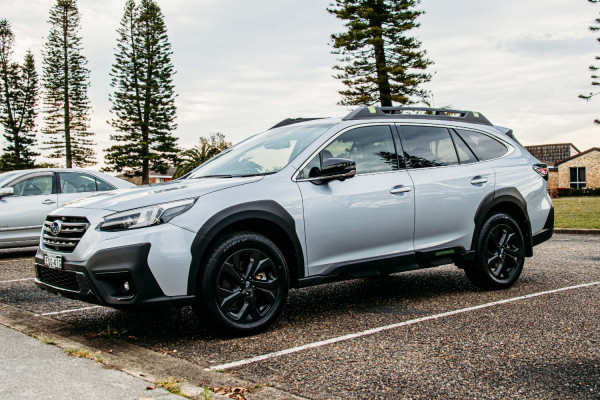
(232, 176)
(260, 174)
(212, 176)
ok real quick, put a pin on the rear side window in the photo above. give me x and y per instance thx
(428, 146)
(484, 146)
(465, 155)
(73, 182)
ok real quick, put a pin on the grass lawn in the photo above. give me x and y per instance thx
(577, 212)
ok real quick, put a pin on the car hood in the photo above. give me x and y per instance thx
(141, 196)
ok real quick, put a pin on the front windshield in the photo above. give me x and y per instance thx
(263, 154)
(7, 176)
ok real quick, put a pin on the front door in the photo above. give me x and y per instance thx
(360, 219)
(22, 214)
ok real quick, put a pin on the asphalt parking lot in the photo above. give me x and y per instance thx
(423, 334)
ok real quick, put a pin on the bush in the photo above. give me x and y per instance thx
(566, 192)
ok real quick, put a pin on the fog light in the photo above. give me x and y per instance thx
(126, 287)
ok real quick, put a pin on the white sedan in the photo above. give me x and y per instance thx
(27, 196)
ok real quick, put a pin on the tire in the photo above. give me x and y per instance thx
(500, 254)
(244, 284)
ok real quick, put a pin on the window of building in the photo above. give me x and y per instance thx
(577, 177)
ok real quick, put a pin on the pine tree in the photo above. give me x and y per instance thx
(143, 101)
(379, 62)
(66, 81)
(18, 109)
(594, 69)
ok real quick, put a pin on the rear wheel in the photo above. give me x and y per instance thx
(244, 283)
(500, 254)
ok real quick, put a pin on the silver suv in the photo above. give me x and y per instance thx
(307, 202)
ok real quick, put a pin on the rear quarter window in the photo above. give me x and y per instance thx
(485, 147)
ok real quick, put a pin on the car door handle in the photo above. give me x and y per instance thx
(478, 180)
(400, 189)
(48, 201)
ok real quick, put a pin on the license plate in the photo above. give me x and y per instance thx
(51, 261)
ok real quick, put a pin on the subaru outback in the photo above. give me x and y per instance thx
(309, 201)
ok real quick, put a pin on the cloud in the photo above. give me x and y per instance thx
(548, 45)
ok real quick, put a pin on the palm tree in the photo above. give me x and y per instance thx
(208, 148)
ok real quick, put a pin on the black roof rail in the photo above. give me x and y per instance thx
(417, 113)
(290, 121)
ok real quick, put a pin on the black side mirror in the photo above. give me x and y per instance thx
(334, 168)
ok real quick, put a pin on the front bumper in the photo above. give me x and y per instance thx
(101, 279)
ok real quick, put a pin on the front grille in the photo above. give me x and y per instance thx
(71, 232)
(58, 278)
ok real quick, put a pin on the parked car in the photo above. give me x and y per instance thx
(27, 196)
(379, 191)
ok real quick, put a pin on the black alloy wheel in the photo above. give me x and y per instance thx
(244, 284)
(500, 254)
(247, 286)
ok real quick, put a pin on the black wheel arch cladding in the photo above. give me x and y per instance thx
(266, 210)
(499, 200)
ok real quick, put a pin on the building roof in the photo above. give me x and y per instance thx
(552, 153)
(579, 155)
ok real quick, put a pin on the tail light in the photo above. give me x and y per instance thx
(541, 169)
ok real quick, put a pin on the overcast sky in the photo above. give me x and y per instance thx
(243, 66)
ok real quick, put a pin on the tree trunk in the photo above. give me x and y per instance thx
(383, 80)
(17, 149)
(68, 151)
(8, 106)
(147, 98)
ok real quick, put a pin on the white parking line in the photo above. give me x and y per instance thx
(388, 327)
(17, 280)
(68, 311)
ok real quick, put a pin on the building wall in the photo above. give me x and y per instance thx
(591, 162)
(552, 179)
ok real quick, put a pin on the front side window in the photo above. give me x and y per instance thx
(73, 182)
(428, 146)
(33, 186)
(484, 146)
(577, 175)
(371, 148)
(262, 154)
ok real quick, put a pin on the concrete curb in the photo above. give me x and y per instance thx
(134, 360)
(577, 231)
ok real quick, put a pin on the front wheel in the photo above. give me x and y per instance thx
(244, 283)
(500, 254)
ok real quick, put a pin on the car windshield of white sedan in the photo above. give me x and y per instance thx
(8, 176)
(262, 154)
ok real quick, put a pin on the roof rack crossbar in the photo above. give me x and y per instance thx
(290, 121)
(422, 113)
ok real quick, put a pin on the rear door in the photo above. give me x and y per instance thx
(450, 184)
(74, 185)
(22, 215)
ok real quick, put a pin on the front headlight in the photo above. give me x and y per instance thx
(145, 216)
